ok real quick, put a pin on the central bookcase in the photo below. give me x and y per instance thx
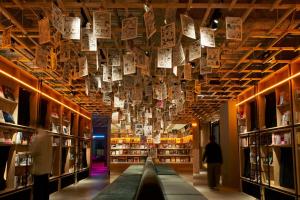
(174, 149)
(21, 109)
(269, 131)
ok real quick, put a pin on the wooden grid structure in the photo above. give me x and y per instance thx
(271, 40)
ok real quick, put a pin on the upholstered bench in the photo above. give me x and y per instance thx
(159, 182)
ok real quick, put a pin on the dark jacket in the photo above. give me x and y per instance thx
(213, 153)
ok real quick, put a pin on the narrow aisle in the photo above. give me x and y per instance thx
(84, 190)
(222, 194)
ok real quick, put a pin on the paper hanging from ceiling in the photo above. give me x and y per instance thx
(147, 130)
(97, 61)
(102, 24)
(129, 28)
(234, 28)
(106, 87)
(187, 26)
(72, 28)
(117, 73)
(178, 56)
(175, 70)
(98, 80)
(164, 91)
(187, 71)
(164, 58)
(157, 92)
(194, 50)
(138, 129)
(189, 95)
(197, 87)
(213, 57)
(107, 73)
(83, 66)
(41, 57)
(204, 68)
(207, 36)
(137, 94)
(58, 19)
(149, 20)
(129, 64)
(87, 86)
(168, 36)
(113, 57)
(53, 59)
(118, 103)
(156, 138)
(44, 31)
(106, 99)
(6, 38)
(88, 40)
(115, 117)
(65, 51)
(140, 59)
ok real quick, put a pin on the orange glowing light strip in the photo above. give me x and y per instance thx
(42, 93)
(269, 88)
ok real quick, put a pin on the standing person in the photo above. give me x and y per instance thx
(41, 150)
(214, 160)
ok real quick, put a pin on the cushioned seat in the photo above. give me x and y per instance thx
(134, 169)
(150, 187)
(165, 170)
(185, 197)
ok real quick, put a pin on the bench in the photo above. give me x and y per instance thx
(157, 182)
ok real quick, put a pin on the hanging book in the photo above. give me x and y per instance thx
(102, 24)
(213, 57)
(189, 96)
(157, 92)
(98, 81)
(194, 50)
(107, 73)
(139, 129)
(129, 28)
(164, 58)
(72, 28)
(44, 31)
(88, 40)
(53, 59)
(106, 99)
(41, 57)
(115, 117)
(83, 66)
(149, 20)
(187, 26)
(204, 68)
(6, 38)
(58, 19)
(197, 87)
(65, 51)
(129, 64)
(207, 37)
(187, 71)
(164, 91)
(118, 103)
(234, 28)
(175, 70)
(113, 57)
(117, 73)
(156, 138)
(147, 130)
(178, 56)
(140, 59)
(106, 87)
(87, 86)
(168, 36)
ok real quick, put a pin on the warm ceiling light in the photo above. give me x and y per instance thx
(42, 93)
(194, 124)
(269, 88)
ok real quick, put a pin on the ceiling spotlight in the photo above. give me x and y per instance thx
(216, 21)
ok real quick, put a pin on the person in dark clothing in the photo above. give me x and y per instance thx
(214, 160)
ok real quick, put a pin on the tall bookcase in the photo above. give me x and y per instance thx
(22, 108)
(268, 126)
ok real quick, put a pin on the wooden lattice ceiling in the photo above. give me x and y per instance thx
(271, 40)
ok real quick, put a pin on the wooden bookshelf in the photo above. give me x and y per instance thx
(27, 108)
(277, 134)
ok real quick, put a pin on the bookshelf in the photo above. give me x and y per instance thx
(269, 152)
(22, 108)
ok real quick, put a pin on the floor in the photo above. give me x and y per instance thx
(88, 188)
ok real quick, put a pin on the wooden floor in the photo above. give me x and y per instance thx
(88, 188)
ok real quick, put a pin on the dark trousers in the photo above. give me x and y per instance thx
(213, 174)
(40, 187)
